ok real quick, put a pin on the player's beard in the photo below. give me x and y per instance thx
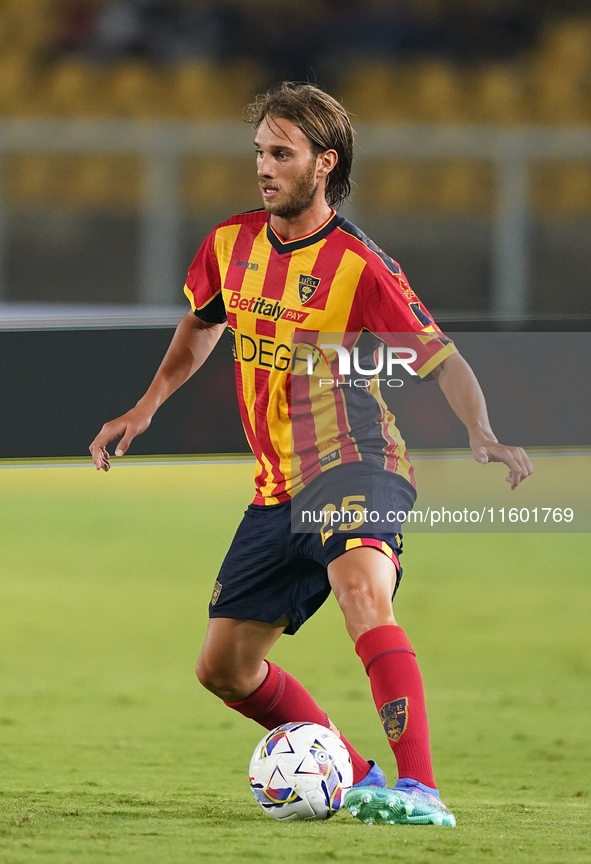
(301, 198)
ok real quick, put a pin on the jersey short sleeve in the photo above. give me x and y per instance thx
(203, 287)
(394, 312)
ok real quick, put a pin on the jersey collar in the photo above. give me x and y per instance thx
(283, 246)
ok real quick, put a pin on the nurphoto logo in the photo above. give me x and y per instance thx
(384, 360)
(316, 354)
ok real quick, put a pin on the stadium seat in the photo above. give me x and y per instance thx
(29, 22)
(455, 187)
(206, 181)
(437, 94)
(7, 28)
(560, 72)
(562, 190)
(203, 91)
(377, 93)
(106, 182)
(210, 183)
(135, 90)
(461, 187)
(86, 182)
(241, 82)
(573, 195)
(196, 92)
(559, 97)
(73, 90)
(32, 178)
(18, 96)
(499, 96)
(388, 186)
(567, 45)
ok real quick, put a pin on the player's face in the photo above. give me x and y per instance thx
(287, 169)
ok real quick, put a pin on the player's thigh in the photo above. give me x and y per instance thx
(363, 580)
(233, 653)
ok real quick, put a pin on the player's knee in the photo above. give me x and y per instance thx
(224, 683)
(214, 681)
(364, 609)
(357, 596)
(210, 677)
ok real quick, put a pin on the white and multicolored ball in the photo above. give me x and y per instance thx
(300, 771)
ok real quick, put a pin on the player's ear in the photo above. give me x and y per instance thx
(325, 162)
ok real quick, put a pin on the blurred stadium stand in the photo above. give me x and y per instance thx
(495, 198)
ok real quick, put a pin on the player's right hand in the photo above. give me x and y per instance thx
(126, 427)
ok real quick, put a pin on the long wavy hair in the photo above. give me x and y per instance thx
(322, 119)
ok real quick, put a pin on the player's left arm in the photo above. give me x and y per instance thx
(464, 394)
(390, 304)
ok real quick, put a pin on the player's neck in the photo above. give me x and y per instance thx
(306, 223)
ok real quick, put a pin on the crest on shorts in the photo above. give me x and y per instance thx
(307, 286)
(217, 590)
(394, 717)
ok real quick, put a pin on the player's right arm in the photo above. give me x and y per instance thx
(192, 343)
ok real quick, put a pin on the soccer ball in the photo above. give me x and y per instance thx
(300, 771)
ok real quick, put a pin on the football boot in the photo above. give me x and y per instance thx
(408, 803)
(374, 777)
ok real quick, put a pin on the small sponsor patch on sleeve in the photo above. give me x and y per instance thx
(217, 590)
(394, 717)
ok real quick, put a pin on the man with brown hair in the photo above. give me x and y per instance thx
(276, 277)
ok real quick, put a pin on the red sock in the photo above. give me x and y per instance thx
(281, 699)
(397, 689)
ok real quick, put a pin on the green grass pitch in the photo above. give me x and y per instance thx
(111, 752)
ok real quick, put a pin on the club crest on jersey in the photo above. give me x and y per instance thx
(307, 286)
(394, 717)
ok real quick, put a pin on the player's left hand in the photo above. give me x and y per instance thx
(515, 458)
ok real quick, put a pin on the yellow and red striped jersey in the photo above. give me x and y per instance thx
(275, 293)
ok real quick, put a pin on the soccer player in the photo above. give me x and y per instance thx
(294, 269)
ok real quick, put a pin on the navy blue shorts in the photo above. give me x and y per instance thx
(271, 571)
